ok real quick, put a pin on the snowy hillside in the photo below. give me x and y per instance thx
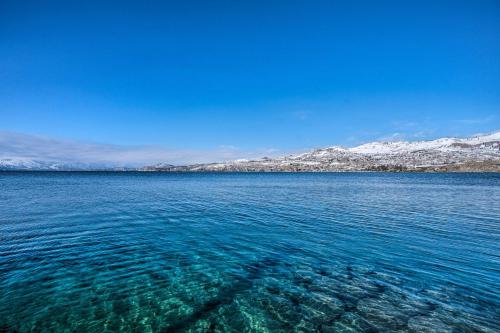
(28, 164)
(479, 153)
(443, 144)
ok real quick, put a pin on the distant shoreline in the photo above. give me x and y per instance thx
(474, 154)
(249, 172)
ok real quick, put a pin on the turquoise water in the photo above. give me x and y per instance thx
(107, 252)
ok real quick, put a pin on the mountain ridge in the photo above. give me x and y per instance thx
(477, 153)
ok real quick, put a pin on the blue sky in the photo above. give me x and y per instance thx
(248, 76)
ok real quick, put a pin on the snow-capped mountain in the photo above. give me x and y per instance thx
(478, 153)
(443, 144)
(28, 164)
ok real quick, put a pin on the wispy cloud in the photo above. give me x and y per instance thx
(428, 128)
(476, 121)
(404, 130)
(408, 136)
(25, 146)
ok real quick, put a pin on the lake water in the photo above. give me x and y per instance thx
(152, 252)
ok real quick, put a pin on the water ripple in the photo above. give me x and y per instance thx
(249, 252)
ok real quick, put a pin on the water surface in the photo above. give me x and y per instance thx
(369, 252)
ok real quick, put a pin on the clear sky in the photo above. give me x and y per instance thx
(253, 76)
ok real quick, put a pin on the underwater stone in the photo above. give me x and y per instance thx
(423, 324)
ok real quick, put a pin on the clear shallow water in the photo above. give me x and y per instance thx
(249, 252)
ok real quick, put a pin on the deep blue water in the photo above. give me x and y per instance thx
(367, 252)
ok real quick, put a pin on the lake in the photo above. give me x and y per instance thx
(287, 252)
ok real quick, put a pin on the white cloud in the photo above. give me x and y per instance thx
(408, 136)
(25, 146)
(476, 121)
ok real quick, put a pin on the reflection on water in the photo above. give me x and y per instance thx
(249, 252)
